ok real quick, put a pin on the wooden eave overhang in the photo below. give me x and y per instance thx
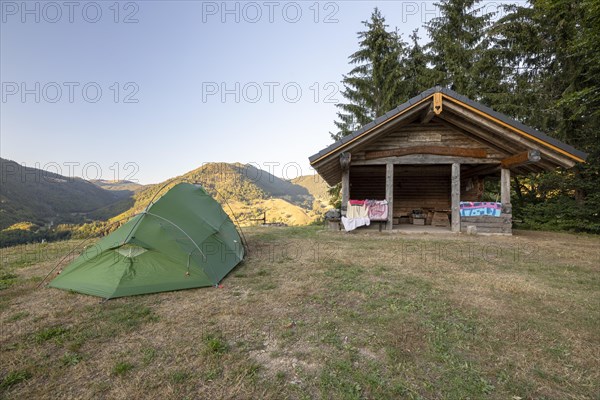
(462, 114)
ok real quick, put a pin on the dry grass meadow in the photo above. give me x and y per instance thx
(317, 314)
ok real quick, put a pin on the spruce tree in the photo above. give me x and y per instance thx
(376, 84)
(418, 75)
(550, 50)
(458, 42)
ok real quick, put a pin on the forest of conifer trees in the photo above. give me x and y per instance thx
(538, 63)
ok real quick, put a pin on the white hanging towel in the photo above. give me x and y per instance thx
(351, 224)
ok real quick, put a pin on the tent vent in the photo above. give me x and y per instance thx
(130, 251)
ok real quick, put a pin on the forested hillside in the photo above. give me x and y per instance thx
(117, 185)
(315, 185)
(43, 197)
(247, 190)
(57, 207)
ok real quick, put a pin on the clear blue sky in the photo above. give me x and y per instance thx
(162, 68)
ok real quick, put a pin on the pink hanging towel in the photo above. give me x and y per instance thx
(378, 210)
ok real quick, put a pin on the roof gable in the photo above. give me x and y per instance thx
(464, 115)
(430, 138)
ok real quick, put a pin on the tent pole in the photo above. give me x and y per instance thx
(238, 226)
(176, 226)
(72, 250)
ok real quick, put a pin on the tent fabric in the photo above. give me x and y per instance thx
(184, 240)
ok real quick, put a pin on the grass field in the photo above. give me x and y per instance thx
(316, 314)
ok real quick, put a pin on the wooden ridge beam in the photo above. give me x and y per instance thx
(434, 150)
(434, 109)
(525, 157)
(437, 103)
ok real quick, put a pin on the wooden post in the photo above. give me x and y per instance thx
(345, 165)
(389, 194)
(455, 197)
(505, 190)
(345, 190)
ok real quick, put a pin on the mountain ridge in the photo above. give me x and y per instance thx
(43, 197)
(247, 194)
(244, 188)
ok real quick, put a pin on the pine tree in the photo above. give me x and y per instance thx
(376, 84)
(553, 64)
(539, 64)
(458, 42)
(418, 75)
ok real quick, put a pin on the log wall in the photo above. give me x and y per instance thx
(415, 187)
(426, 186)
(431, 134)
(502, 224)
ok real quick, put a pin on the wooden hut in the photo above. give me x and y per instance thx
(432, 153)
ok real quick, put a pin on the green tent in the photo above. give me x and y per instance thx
(184, 240)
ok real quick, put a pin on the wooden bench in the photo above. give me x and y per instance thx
(381, 222)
